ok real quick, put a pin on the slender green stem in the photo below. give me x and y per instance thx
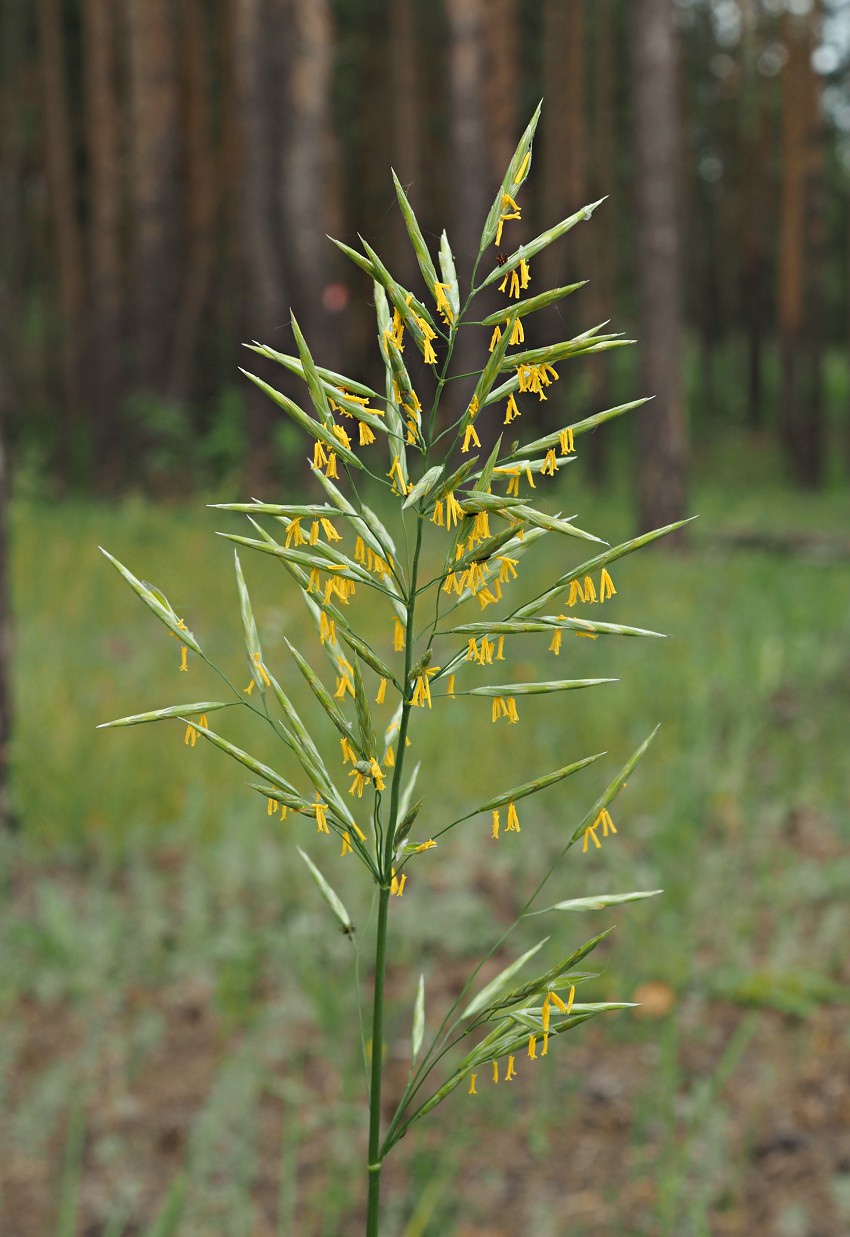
(385, 864)
(374, 1204)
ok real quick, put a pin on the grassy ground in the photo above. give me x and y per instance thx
(178, 1008)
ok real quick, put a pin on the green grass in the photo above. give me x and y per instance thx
(144, 865)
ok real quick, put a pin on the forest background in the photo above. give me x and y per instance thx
(169, 170)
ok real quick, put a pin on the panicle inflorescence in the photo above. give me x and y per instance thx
(481, 516)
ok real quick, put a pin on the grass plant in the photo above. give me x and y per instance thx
(441, 577)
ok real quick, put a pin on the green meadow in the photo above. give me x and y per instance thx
(181, 1050)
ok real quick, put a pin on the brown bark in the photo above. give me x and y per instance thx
(14, 219)
(255, 195)
(502, 37)
(661, 433)
(799, 296)
(470, 173)
(564, 130)
(67, 231)
(756, 227)
(6, 630)
(307, 164)
(104, 240)
(405, 135)
(471, 164)
(599, 298)
(201, 196)
(153, 182)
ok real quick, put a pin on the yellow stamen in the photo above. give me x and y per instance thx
(382, 692)
(454, 511)
(321, 821)
(443, 306)
(511, 411)
(294, 533)
(347, 848)
(450, 686)
(184, 663)
(513, 820)
(470, 436)
(555, 645)
(500, 648)
(550, 464)
(398, 635)
(495, 337)
(570, 999)
(314, 532)
(604, 819)
(472, 1090)
(494, 833)
(271, 807)
(576, 593)
(566, 442)
(589, 833)
(343, 685)
(429, 845)
(606, 586)
(511, 1071)
(389, 759)
(532, 1047)
(327, 629)
(495, 1071)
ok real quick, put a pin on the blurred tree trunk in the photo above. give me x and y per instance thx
(153, 187)
(470, 172)
(62, 186)
(470, 156)
(755, 223)
(502, 37)
(13, 216)
(307, 168)
(104, 240)
(405, 118)
(660, 426)
(564, 130)
(601, 291)
(7, 820)
(201, 196)
(800, 306)
(255, 189)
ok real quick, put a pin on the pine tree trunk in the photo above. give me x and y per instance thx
(799, 299)
(307, 166)
(405, 117)
(471, 171)
(7, 820)
(68, 234)
(202, 195)
(601, 291)
(470, 157)
(660, 426)
(501, 82)
(103, 142)
(266, 299)
(564, 128)
(153, 187)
